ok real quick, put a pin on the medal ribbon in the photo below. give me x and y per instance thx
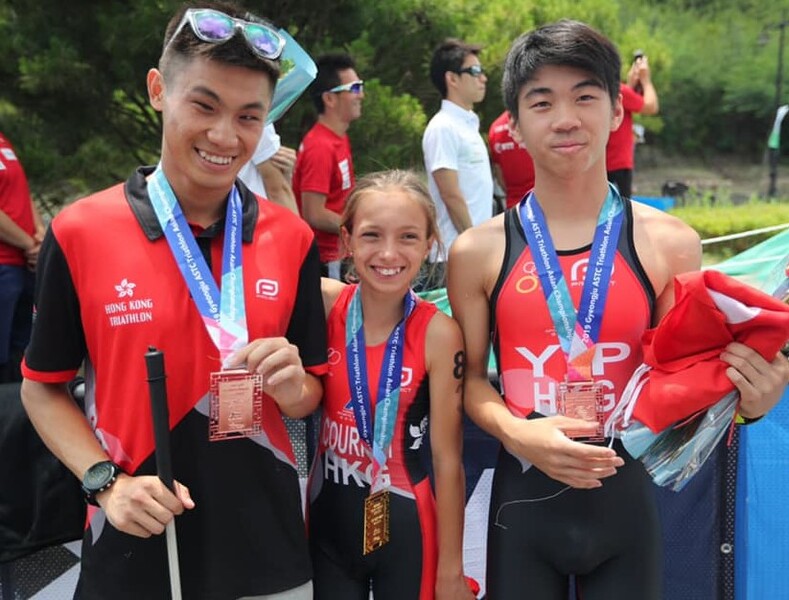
(223, 313)
(387, 401)
(579, 331)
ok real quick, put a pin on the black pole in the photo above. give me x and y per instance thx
(154, 362)
(775, 153)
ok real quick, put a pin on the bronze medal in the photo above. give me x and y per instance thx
(235, 405)
(583, 400)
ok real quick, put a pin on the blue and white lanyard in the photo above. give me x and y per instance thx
(223, 314)
(388, 398)
(579, 331)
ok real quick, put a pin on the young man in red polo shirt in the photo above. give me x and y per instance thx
(226, 285)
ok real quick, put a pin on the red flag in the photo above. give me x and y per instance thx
(710, 311)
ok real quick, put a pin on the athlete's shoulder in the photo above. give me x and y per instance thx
(666, 232)
(443, 329)
(666, 245)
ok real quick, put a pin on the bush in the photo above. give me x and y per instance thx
(718, 221)
(389, 134)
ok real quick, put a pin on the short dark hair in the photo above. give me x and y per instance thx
(449, 57)
(563, 43)
(328, 76)
(234, 52)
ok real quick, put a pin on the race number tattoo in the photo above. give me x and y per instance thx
(460, 365)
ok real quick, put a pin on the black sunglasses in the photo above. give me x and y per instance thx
(473, 70)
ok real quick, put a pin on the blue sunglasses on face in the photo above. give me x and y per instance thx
(355, 87)
(216, 27)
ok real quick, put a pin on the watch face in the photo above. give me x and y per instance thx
(99, 475)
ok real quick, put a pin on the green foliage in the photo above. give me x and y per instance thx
(72, 79)
(717, 221)
(719, 96)
(391, 135)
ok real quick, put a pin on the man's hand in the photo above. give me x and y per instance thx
(31, 255)
(285, 159)
(543, 443)
(143, 506)
(761, 383)
(279, 363)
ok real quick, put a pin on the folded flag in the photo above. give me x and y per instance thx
(679, 403)
(682, 372)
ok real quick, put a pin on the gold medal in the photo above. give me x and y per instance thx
(376, 521)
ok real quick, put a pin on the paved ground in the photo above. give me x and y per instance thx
(729, 178)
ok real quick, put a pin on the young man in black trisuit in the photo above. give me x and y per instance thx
(560, 507)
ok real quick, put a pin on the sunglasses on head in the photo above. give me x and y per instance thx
(355, 87)
(473, 70)
(216, 27)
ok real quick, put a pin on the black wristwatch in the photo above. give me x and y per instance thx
(98, 478)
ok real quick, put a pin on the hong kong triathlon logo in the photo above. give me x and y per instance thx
(125, 288)
(127, 309)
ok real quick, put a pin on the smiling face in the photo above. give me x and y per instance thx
(388, 239)
(564, 119)
(213, 116)
(346, 104)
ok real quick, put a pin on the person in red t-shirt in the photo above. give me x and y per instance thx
(21, 232)
(323, 176)
(638, 96)
(512, 165)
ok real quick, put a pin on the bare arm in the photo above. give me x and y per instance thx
(62, 425)
(139, 506)
(277, 187)
(330, 289)
(13, 234)
(674, 248)
(40, 227)
(448, 187)
(651, 103)
(445, 360)
(314, 211)
(499, 177)
(473, 257)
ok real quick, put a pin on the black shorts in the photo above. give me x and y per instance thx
(609, 537)
(404, 568)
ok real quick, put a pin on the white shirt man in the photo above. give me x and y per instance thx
(456, 156)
